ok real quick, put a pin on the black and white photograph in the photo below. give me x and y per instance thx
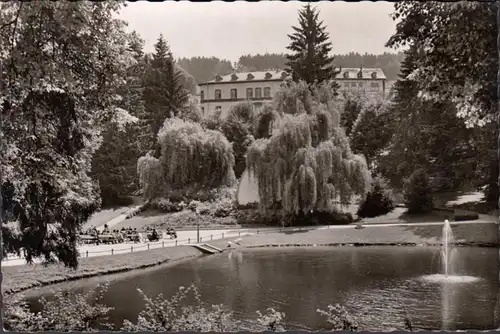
(251, 166)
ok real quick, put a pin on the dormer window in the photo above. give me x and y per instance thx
(360, 74)
(234, 77)
(374, 75)
(218, 78)
(268, 76)
(218, 94)
(346, 74)
(250, 76)
(283, 75)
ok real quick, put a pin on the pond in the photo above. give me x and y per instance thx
(376, 284)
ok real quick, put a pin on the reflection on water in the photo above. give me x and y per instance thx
(376, 284)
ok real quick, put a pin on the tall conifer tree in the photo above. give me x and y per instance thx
(164, 94)
(310, 46)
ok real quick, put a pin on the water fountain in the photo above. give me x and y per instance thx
(448, 260)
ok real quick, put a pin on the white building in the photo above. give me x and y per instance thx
(367, 80)
(218, 96)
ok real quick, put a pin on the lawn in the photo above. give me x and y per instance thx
(465, 233)
(19, 278)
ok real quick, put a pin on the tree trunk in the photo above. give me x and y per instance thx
(497, 306)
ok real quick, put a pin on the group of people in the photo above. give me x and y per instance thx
(125, 233)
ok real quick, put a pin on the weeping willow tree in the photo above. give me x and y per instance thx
(191, 160)
(306, 164)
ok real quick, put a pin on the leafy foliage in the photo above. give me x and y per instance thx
(61, 64)
(378, 201)
(66, 311)
(86, 312)
(451, 68)
(237, 127)
(372, 130)
(310, 47)
(446, 68)
(162, 314)
(191, 159)
(114, 163)
(418, 193)
(307, 163)
(421, 129)
(338, 317)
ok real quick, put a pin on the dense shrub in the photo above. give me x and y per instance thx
(464, 216)
(190, 159)
(166, 205)
(379, 200)
(66, 311)
(86, 312)
(338, 317)
(418, 193)
(237, 127)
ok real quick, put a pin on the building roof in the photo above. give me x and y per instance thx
(352, 73)
(248, 76)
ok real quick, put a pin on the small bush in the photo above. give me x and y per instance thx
(79, 312)
(417, 193)
(320, 218)
(338, 317)
(378, 202)
(463, 216)
(166, 206)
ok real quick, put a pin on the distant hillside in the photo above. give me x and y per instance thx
(204, 69)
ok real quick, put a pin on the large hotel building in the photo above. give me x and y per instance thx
(223, 92)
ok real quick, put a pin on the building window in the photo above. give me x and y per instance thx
(360, 84)
(234, 93)
(202, 95)
(258, 93)
(346, 85)
(375, 85)
(218, 94)
(353, 85)
(249, 93)
(202, 109)
(267, 91)
(218, 110)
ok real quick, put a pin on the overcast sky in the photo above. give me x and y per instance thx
(231, 29)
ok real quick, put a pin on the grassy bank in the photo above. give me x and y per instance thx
(472, 234)
(20, 278)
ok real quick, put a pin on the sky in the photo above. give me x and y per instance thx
(228, 30)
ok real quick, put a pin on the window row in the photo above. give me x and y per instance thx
(218, 109)
(234, 93)
(360, 84)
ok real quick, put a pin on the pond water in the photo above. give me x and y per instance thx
(376, 284)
